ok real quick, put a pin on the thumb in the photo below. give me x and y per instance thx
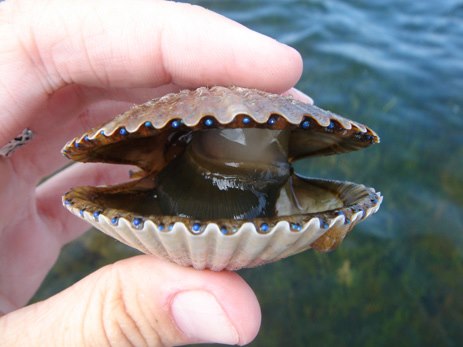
(141, 301)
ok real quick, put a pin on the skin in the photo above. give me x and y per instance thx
(70, 65)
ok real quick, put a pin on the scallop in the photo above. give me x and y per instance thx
(216, 187)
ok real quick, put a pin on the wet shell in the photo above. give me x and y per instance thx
(310, 213)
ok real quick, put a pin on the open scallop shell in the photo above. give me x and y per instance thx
(219, 244)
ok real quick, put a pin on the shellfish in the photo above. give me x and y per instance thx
(216, 188)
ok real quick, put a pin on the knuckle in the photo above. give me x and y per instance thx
(122, 323)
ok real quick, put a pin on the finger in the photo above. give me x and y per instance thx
(297, 94)
(52, 226)
(120, 44)
(140, 301)
(48, 196)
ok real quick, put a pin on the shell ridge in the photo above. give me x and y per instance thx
(151, 237)
(246, 246)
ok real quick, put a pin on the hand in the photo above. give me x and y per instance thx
(66, 66)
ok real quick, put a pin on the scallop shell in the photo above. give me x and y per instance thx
(224, 244)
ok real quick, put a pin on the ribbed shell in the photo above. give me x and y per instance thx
(247, 247)
(221, 244)
(315, 131)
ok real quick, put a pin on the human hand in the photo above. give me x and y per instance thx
(66, 66)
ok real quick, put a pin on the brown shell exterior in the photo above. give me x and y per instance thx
(227, 107)
(224, 104)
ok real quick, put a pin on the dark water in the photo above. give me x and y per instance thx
(398, 279)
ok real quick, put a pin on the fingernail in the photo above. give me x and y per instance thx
(200, 317)
(297, 94)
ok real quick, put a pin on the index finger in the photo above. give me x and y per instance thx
(126, 44)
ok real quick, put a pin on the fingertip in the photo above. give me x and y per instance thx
(211, 306)
(233, 54)
(294, 64)
(205, 306)
(299, 95)
(243, 308)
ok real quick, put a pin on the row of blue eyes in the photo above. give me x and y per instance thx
(208, 122)
(176, 123)
(264, 227)
(138, 222)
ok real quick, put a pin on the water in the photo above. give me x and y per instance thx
(398, 278)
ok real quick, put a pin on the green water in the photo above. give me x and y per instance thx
(398, 278)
